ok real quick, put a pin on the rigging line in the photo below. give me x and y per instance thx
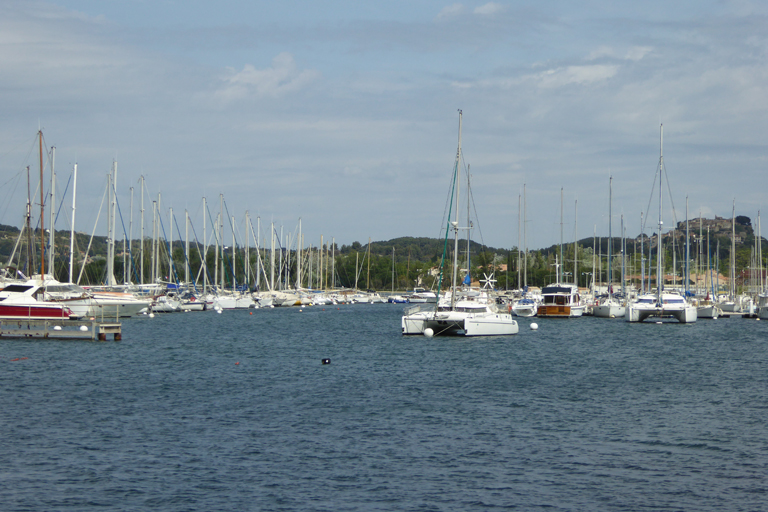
(125, 234)
(88, 249)
(168, 248)
(671, 200)
(204, 263)
(447, 228)
(183, 247)
(650, 199)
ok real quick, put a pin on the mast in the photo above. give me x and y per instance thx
(733, 254)
(469, 231)
(141, 255)
(519, 201)
(234, 259)
(456, 222)
(170, 244)
(575, 246)
(72, 229)
(659, 266)
(42, 210)
(525, 238)
(130, 240)
(623, 252)
(610, 234)
(186, 246)
(272, 259)
(642, 255)
(393, 269)
(53, 213)
(560, 268)
(30, 235)
(205, 249)
(687, 248)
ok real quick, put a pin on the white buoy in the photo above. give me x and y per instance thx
(429, 332)
(151, 315)
(83, 328)
(56, 327)
(534, 326)
(218, 311)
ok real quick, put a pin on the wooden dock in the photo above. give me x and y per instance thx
(60, 329)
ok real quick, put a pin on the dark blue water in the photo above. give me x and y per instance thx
(586, 414)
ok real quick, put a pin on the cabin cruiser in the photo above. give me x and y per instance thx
(24, 301)
(560, 300)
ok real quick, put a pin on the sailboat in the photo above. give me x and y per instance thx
(662, 304)
(610, 306)
(472, 313)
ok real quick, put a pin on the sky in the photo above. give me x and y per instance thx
(344, 114)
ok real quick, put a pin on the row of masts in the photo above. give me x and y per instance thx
(295, 265)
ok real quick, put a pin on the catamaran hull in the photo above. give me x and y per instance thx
(682, 315)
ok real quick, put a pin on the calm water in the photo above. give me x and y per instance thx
(587, 414)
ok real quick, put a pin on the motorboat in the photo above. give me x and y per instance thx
(20, 302)
(560, 300)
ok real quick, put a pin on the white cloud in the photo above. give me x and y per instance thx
(581, 75)
(282, 77)
(489, 8)
(450, 11)
(635, 53)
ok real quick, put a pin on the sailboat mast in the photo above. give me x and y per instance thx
(610, 233)
(525, 237)
(659, 266)
(72, 228)
(141, 252)
(456, 221)
(53, 212)
(519, 201)
(732, 287)
(560, 268)
(687, 247)
(575, 246)
(42, 210)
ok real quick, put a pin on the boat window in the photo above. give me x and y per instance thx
(16, 288)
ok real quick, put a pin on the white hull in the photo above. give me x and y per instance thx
(609, 311)
(454, 323)
(711, 312)
(524, 310)
(640, 313)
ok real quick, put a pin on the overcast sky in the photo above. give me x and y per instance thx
(344, 113)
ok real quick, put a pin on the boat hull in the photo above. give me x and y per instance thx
(35, 312)
(684, 315)
(555, 311)
(609, 311)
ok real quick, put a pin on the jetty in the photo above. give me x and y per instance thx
(60, 329)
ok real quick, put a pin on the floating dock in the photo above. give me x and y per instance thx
(60, 329)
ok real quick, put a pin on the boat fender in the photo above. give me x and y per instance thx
(325, 361)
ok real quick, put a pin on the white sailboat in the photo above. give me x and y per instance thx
(469, 313)
(610, 306)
